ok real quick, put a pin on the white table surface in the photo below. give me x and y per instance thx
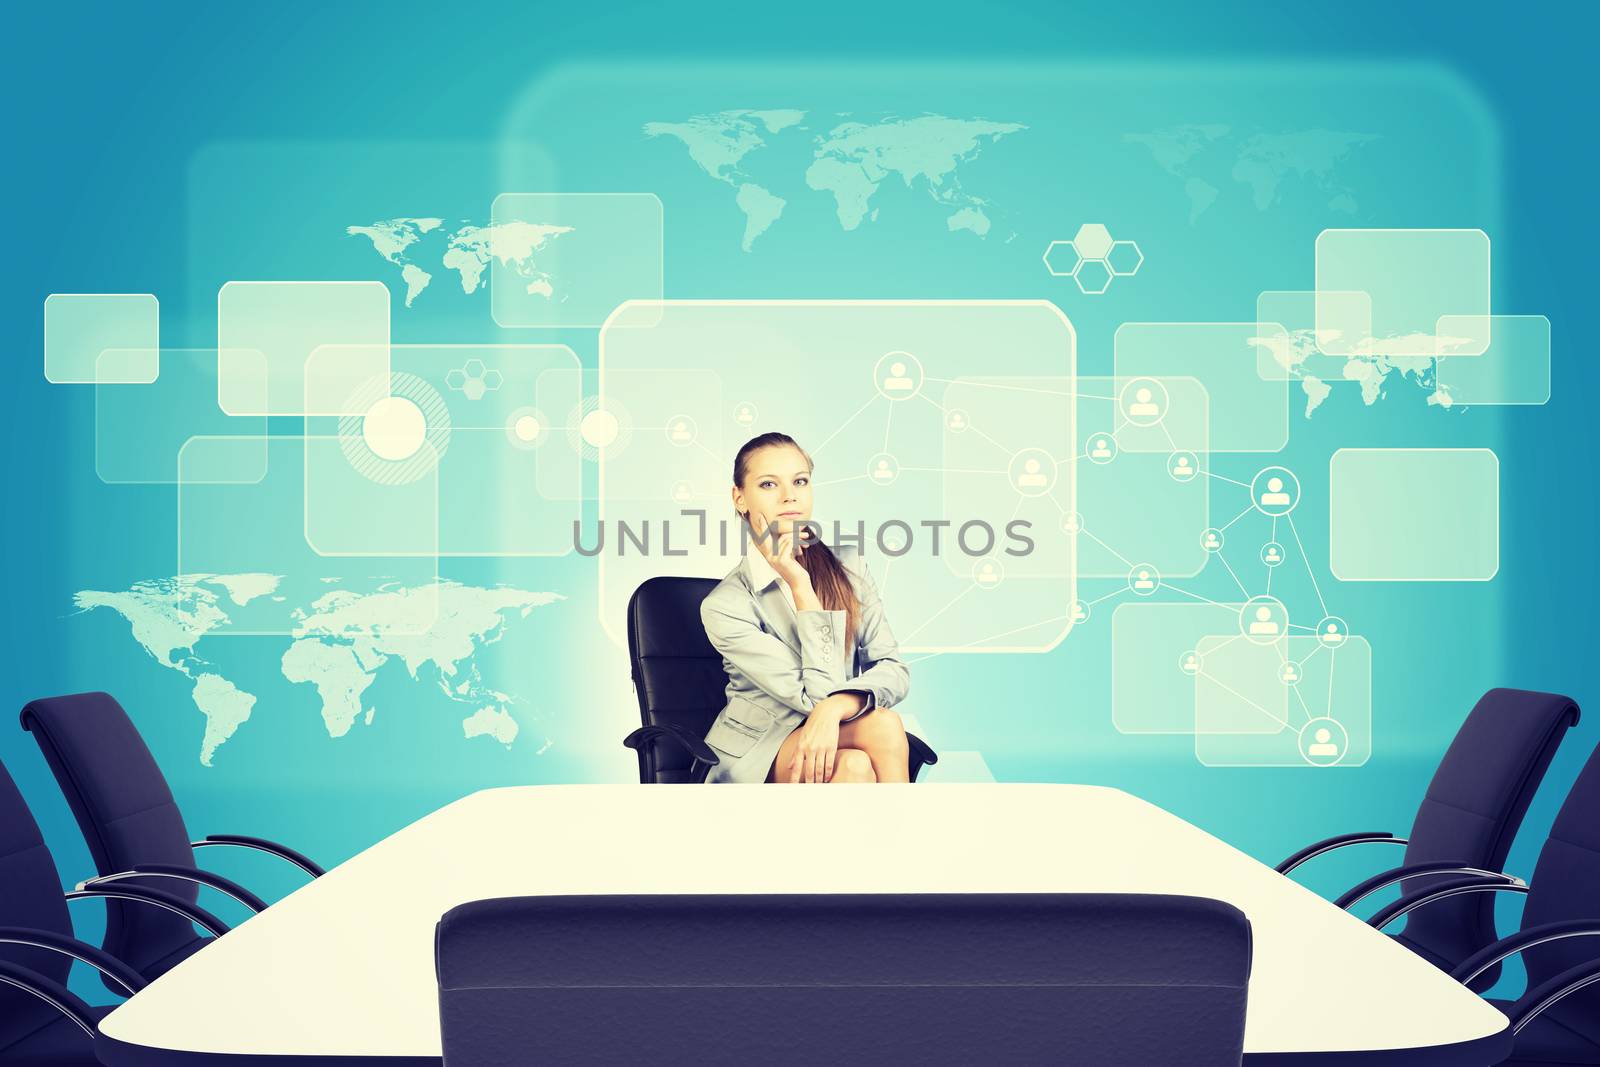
(344, 966)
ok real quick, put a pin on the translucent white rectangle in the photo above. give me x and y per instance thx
(1236, 685)
(79, 327)
(1514, 369)
(285, 322)
(140, 429)
(1414, 514)
(1329, 706)
(1414, 278)
(1152, 676)
(1246, 413)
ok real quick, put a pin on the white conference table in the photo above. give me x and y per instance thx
(342, 969)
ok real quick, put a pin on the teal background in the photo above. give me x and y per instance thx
(120, 125)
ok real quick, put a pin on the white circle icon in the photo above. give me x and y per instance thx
(1275, 491)
(394, 428)
(1323, 742)
(1332, 631)
(1144, 579)
(1211, 539)
(1078, 612)
(1100, 448)
(1032, 472)
(882, 469)
(1183, 466)
(897, 375)
(1143, 401)
(987, 572)
(956, 420)
(1290, 672)
(681, 431)
(1189, 662)
(1263, 620)
(1072, 523)
(1272, 553)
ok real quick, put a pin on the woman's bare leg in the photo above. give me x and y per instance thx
(882, 735)
(849, 764)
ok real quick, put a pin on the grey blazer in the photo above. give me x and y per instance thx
(781, 662)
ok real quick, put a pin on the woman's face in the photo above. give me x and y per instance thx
(777, 488)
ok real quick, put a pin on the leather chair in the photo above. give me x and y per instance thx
(1557, 1021)
(41, 1022)
(133, 827)
(1114, 980)
(681, 685)
(1467, 820)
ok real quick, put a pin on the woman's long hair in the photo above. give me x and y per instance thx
(828, 576)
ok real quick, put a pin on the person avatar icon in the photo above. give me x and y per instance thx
(1289, 673)
(1101, 449)
(1072, 522)
(680, 431)
(1080, 611)
(882, 471)
(1144, 581)
(1144, 405)
(897, 382)
(681, 492)
(1031, 478)
(1190, 663)
(744, 414)
(1212, 541)
(1272, 555)
(987, 574)
(958, 421)
(1275, 497)
(1322, 743)
(1264, 622)
(1183, 467)
(1332, 633)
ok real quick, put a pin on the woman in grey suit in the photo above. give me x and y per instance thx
(813, 671)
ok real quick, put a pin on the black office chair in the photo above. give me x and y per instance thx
(1467, 820)
(1557, 1021)
(933, 979)
(133, 827)
(681, 685)
(40, 1020)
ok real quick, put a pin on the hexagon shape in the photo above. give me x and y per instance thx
(455, 379)
(474, 367)
(1094, 276)
(1093, 241)
(1062, 259)
(474, 389)
(492, 379)
(1124, 258)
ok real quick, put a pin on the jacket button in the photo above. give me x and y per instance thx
(826, 631)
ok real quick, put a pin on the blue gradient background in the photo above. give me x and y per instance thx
(110, 115)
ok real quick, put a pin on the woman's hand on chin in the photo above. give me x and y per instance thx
(785, 558)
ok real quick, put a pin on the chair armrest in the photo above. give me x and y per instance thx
(1503, 949)
(99, 959)
(261, 844)
(159, 899)
(1536, 1000)
(696, 747)
(1371, 837)
(52, 993)
(222, 885)
(1453, 887)
(921, 754)
(1416, 870)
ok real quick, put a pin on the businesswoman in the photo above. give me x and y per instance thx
(813, 671)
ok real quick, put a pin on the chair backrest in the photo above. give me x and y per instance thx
(677, 674)
(125, 810)
(1474, 806)
(1108, 979)
(30, 895)
(1566, 886)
